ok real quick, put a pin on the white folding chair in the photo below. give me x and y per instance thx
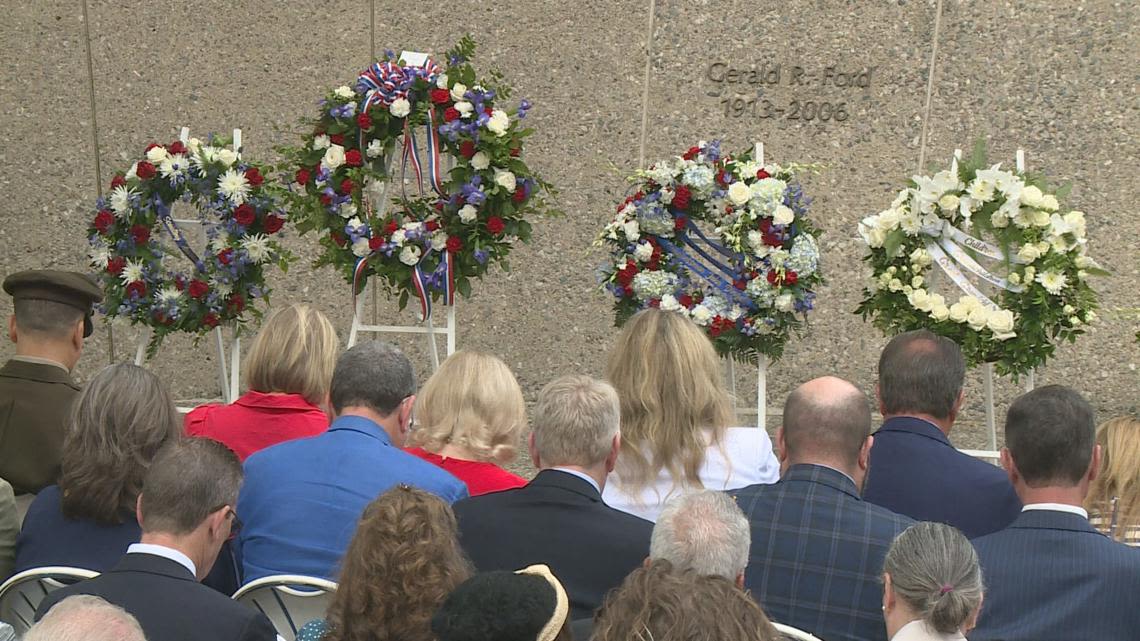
(794, 633)
(288, 600)
(21, 594)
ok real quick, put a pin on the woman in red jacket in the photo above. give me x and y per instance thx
(288, 371)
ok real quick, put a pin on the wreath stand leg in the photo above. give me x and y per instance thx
(761, 388)
(428, 328)
(988, 391)
(229, 379)
(1030, 378)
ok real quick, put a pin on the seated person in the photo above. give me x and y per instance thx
(288, 370)
(469, 416)
(559, 518)
(86, 618)
(528, 605)
(186, 511)
(9, 529)
(1051, 576)
(403, 561)
(676, 418)
(303, 498)
(1113, 502)
(52, 316)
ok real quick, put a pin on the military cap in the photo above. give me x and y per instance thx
(69, 288)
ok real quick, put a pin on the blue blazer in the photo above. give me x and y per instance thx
(817, 553)
(915, 471)
(1053, 577)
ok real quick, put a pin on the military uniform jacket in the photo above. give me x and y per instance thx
(35, 400)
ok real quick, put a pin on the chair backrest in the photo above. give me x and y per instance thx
(288, 600)
(22, 594)
(794, 633)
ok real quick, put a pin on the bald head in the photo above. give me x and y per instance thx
(826, 421)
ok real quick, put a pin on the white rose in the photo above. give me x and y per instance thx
(375, 149)
(1090, 316)
(441, 81)
(464, 108)
(895, 285)
(785, 302)
(156, 155)
(480, 161)
(347, 210)
(1041, 218)
(457, 91)
(702, 315)
(783, 215)
(334, 157)
(410, 255)
(739, 193)
(193, 145)
(227, 156)
(499, 122)
(940, 312)
(978, 318)
(669, 303)
(643, 252)
(1049, 203)
(949, 202)
(468, 213)
(1031, 196)
(632, 230)
(400, 107)
(344, 91)
(399, 236)
(360, 247)
(321, 142)
(505, 179)
(920, 300)
(1028, 253)
(959, 312)
(438, 241)
(917, 281)
(1001, 324)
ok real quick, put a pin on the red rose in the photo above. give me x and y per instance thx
(488, 110)
(176, 147)
(302, 176)
(440, 96)
(364, 121)
(515, 151)
(273, 224)
(103, 221)
(691, 153)
(179, 283)
(235, 303)
(791, 278)
(761, 175)
(338, 238)
(714, 327)
(144, 170)
(116, 264)
(432, 225)
(254, 177)
(346, 186)
(454, 244)
(225, 256)
(391, 227)
(519, 195)
(685, 300)
(679, 223)
(244, 214)
(375, 242)
(337, 139)
(352, 158)
(198, 288)
(118, 181)
(326, 200)
(681, 198)
(739, 284)
(136, 289)
(722, 177)
(140, 233)
(626, 274)
(495, 225)
(628, 290)
(449, 114)
(467, 149)
(655, 303)
(210, 320)
(773, 277)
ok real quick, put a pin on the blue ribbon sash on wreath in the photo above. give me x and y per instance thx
(724, 286)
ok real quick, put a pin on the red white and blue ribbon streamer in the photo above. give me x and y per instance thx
(422, 290)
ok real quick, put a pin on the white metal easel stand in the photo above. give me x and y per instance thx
(428, 328)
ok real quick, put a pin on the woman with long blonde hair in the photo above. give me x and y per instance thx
(1113, 502)
(676, 418)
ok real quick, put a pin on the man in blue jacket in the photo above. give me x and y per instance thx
(914, 469)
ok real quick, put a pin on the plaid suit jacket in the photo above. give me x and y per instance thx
(817, 553)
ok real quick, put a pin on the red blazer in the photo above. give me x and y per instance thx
(481, 478)
(257, 420)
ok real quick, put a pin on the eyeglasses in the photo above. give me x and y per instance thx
(235, 523)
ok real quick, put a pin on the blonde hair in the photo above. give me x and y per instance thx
(294, 353)
(474, 402)
(668, 378)
(1119, 475)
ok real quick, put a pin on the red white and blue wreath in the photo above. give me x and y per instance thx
(242, 222)
(721, 239)
(457, 222)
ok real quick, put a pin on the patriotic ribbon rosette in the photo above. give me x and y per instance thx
(723, 240)
(392, 136)
(134, 237)
(977, 228)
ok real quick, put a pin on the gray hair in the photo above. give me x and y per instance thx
(372, 374)
(84, 617)
(576, 419)
(921, 372)
(935, 571)
(703, 531)
(188, 481)
(46, 318)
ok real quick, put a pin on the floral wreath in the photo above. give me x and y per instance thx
(942, 220)
(241, 221)
(749, 286)
(428, 245)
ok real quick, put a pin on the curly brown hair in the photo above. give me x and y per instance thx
(402, 563)
(660, 603)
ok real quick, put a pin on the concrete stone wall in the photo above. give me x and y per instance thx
(1057, 79)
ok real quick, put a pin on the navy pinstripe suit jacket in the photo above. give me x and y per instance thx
(817, 553)
(1050, 576)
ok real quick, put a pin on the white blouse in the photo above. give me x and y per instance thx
(749, 461)
(919, 631)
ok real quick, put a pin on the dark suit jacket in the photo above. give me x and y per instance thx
(35, 401)
(817, 553)
(915, 471)
(560, 520)
(1053, 577)
(169, 604)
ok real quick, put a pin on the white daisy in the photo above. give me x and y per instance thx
(1052, 281)
(121, 200)
(99, 255)
(132, 271)
(233, 186)
(221, 288)
(173, 166)
(257, 247)
(168, 295)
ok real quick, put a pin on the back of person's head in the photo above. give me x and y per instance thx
(45, 319)
(86, 618)
(528, 605)
(826, 420)
(934, 570)
(1050, 433)
(118, 424)
(474, 402)
(703, 531)
(402, 562)
(669, 380)
(921, 372)
(373, 375)
(575, 422)
(661, 603)
(294, 353)
(189, 480)
(1115, 493)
